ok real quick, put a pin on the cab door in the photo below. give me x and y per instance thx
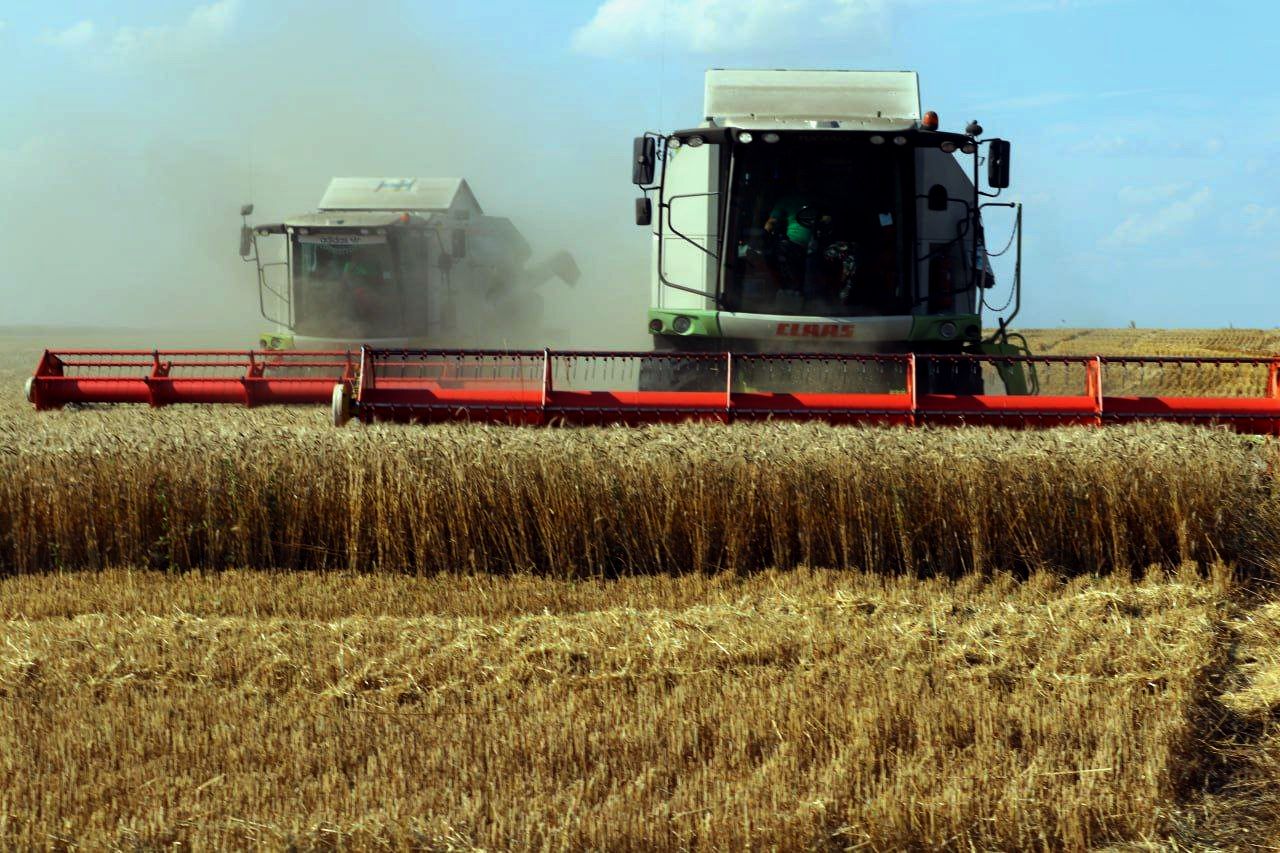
(688, 251)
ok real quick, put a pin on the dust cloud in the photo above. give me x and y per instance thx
(122, 189)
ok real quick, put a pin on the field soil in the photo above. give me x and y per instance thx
(226, 628)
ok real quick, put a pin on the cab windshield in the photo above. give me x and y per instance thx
(816, 223)
(345, 286)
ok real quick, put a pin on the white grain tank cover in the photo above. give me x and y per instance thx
(417, 194)
(879, 100)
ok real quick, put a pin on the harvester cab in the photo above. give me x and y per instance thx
(398, 262)
(822, 211)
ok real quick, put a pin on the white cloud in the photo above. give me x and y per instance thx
(700, 26)
(1152, 193)
(1039, 100)
(1169, 220)
(1019, 103)
(1259, 219)
(203, 26)
(76, 35)
(1150, 143)
(1056, 5)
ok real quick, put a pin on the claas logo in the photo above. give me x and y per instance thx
(814, 330)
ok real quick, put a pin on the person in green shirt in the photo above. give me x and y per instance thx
(795, 246)
(362, 269)
(784, 214)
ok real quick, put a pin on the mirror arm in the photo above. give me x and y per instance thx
(950, 200)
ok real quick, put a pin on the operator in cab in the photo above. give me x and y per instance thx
(792, 222)
(364, 277)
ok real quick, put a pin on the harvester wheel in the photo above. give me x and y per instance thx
(341, 404)
(30, 389)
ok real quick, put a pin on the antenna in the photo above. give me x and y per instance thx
(662, 64)
(249, 154)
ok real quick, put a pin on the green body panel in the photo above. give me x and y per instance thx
(275, 341)
(925, 328)
(704, 324)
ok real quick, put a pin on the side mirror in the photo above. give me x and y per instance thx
(246, 240)
(459, 249)
(938, 198)
(998, 164)
(246, 210)
(644, 160)
(644, 211)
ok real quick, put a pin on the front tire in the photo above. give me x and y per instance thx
(340, 404)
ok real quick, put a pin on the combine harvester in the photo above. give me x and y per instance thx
(819, 254)
(396, 262)
(399, 262)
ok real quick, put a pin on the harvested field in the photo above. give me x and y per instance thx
(788, 708)
(1192, 342)
(1209, 380)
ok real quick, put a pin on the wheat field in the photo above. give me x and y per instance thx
(229, 629)
(577, 503)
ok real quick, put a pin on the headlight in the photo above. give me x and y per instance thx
(968, 148)
(694, 141)
(899, 140)
(877, 140)
(655, 325)
(745, 136)
(948, 146)
(947, 330)
(771, 138)
(681, 324)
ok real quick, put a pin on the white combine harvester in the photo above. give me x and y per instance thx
(821, 211)
(398, 262)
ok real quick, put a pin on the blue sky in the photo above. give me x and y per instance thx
(1146, 135)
